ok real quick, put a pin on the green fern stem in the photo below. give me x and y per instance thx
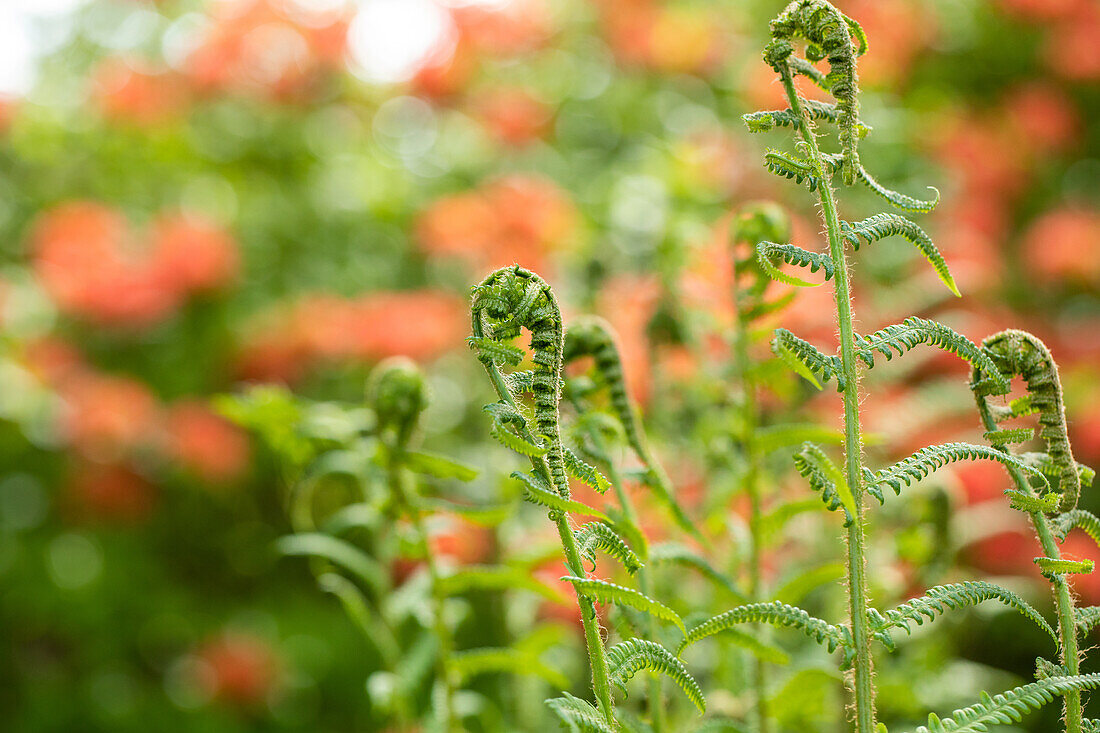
(863, 664)
(597, 654)
(656, 709)
(1067, 629)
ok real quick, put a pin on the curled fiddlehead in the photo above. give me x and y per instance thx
(1020, 354)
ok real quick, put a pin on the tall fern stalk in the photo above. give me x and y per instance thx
(863, 664)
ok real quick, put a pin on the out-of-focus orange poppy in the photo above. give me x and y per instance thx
(205, 443)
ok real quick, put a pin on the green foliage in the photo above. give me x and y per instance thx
(914, 331)
(806, 360)
(774, 613)
(927, 460)
(768, 252)
(1008, 707)
(672, 553)
(629, 657)
(537, 491)
(826, 479)
(881, 226)
(600, 536)
(578, 716)
(937, 600)
(605, 592)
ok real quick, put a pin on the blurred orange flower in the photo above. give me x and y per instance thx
(512, 115)
(128, 94)
(241, 668)
(205, 443)
(107, 417)
(266, 48)
(111, 492)
(517, 219)
(1064, 245)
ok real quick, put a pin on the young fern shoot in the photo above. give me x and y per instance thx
(506, 302)
(832, 36)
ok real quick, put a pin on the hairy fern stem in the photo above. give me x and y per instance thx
(1063, 597)
(863, 664)
(597, 654)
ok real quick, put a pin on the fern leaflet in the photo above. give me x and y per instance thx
(633, 655)
(776, 614)
(806, 360)
(1008, 707)
(881, 226)
(766, 252)
(600, 536)
(604, 592)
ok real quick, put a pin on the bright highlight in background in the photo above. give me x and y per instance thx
(390, 39)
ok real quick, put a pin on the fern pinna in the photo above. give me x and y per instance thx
(357, 503)
(1011, 354)
(829, 35)
(507, 301)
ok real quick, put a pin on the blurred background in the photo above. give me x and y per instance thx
(199, 195)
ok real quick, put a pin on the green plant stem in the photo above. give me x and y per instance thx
(398, 480)
(656, 710)
(751, 417)
(1063, 598)
(597, 655)
(863, 664)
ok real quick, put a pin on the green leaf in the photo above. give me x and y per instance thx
(767, 252)
(954, 596)
(600, 536)
(927, 460)
(805, 360)
(438, 466)
(627, 658)
(581, 471)
(577, 715)
(798, 587)
(881, 226)
(604, 592)
(474, 662)
(344, 554)
(538, 492)
(898, 200)
(776, 614)
(496, 577)
(827, 479)
(1008, 707)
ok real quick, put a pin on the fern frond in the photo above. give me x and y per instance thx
(898, 200)
(912, 332)
(1086, 619)
(1050, 469)
(604, 592)
(954, 596)
(582, 471)
(1077, 519)
(510, 429)
(767, 252)
(674, 553)
(1030, 503)
(498, 352)
(817, 111)
(825, 478)
(774, 613)
(1001, 438)
(600, 536)
(1050, 566)
(928, 460)
(1018, 353)
(537, 491)
(787, 166)
(627, 658)
(881, 226)
(577, 715)
(1008, 707)
(805, 360)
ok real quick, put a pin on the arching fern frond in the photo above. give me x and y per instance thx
(1050, 469)
(577, 715)
(1077, 519)
(786, 165)
(899, 200)
(1086, 619)
(774, 613)
(805, 360)
(912, 332)
(537, 491)
(1001, 438)
(825, 478)
(817, 111)
(633, 655)
(500, 352)
(881, 226)
(928, 460)
(604, 592)
(937, 600)
(767, 252)
(582, 471)
(1051, 566)
(1008, 707)
(600, 536)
